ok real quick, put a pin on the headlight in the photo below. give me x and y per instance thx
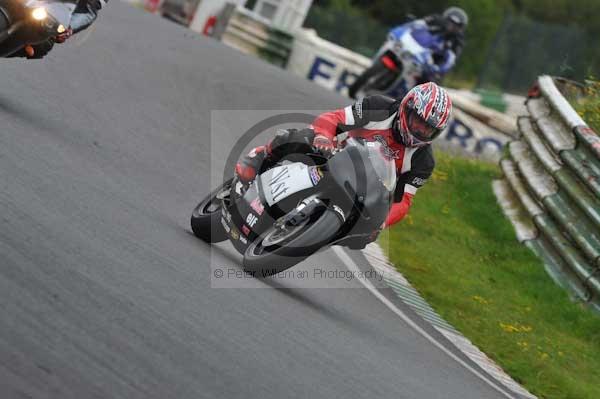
(61, 29)
(39, 14)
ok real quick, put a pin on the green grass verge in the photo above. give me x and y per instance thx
(459, 251)
(589, 106)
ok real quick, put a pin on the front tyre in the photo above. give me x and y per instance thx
(206, 217)
(4, 22)
(274, 251)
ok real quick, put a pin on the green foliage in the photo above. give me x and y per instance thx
(459, 251)
(347, 26)
(485, 21)
(509, 42)
(589, 106)
(529, 48)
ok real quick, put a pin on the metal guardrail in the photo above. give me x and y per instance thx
(503, 123)
(551, 190)
(247, 32)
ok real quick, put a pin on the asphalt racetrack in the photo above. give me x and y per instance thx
(105, 148)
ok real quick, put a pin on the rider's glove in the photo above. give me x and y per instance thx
(323, 144)
(64, 36)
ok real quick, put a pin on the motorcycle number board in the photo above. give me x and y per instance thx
(281, 182)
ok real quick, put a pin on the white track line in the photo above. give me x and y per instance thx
(351, 265)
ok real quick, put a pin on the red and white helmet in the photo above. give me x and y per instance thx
(423, 115)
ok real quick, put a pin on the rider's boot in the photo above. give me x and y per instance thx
(247, 168)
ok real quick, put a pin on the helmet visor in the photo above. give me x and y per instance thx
(452, 26)
(420, 129)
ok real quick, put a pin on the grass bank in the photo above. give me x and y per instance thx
(589, 105)
(460, 252)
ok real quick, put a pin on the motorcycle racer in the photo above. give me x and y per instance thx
(451, 26)
(443, 40)
(404, 127)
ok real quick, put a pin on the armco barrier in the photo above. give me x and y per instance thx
(325, 63)
(551, 190)
(243, 30)
(499, 121)
(466, 135)
(513, 105)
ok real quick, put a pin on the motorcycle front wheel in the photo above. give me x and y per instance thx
(206, 217)
(281, 247)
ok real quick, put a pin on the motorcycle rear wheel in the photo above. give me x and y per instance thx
(206, 217)
(370, 79)
(266, 260)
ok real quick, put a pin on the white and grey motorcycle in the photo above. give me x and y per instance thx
(293, 209)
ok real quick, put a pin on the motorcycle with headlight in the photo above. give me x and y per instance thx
(401, 63)
(293, 209)
(30, 22)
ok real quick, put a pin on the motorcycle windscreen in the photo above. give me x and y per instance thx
(282, 181)
(384, 167)
(424, 39)
(412, 45)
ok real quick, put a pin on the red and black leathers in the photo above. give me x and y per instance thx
(373, 118)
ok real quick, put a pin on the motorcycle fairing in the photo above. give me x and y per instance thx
(282, 181)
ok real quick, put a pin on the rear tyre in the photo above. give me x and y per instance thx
(263, 259)
(369, 79)
(206, 217)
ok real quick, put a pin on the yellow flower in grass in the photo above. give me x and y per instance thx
(509, 328)
(439, 176)
(516, 328)
(481, 300)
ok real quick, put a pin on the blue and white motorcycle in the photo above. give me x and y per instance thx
(403, 62)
